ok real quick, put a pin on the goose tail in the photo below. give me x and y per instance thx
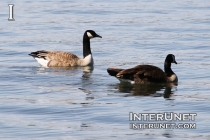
(114, 71)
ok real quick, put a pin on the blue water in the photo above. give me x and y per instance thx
(39, 103)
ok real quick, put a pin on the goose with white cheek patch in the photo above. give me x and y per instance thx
(66, 59)
(147, 73)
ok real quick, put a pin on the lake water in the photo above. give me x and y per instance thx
(39, 103)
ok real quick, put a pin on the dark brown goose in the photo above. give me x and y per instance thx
(66, 59)
(147, 73)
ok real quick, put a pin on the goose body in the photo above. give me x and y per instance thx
(66, 59)
(147, 73)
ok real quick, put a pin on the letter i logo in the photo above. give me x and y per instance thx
(11, 18)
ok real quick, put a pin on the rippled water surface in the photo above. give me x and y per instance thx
(39, 103)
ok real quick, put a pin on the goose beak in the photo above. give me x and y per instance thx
(98, 36)
(175, 62)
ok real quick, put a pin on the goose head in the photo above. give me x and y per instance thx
(91, 34)
(170, 58)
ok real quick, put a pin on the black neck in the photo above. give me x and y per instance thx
(167, 68)
(86, 46)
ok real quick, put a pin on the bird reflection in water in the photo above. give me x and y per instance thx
(155, 90)
(86, 69)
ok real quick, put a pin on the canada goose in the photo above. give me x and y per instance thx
(65, 59)
(147, 73)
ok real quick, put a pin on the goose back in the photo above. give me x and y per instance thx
(143, 74)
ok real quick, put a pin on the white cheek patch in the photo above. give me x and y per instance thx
(89, 35)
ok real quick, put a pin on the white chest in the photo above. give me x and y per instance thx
(88, 60)
(42, 61)
(173, 78)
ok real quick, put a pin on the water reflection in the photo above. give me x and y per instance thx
(62, 78)
(86, 69)
(156, 90)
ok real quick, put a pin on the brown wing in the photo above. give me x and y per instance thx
(60, 59)
(143, 74)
